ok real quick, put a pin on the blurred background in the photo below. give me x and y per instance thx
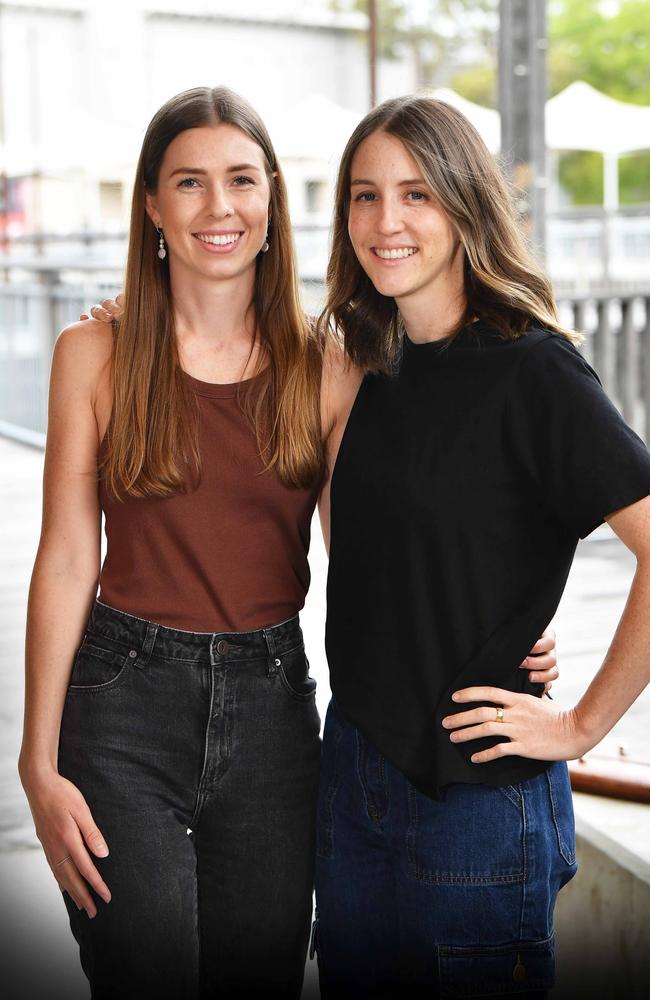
(560, 92)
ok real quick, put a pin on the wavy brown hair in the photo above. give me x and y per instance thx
(503, 283)
(152, 447)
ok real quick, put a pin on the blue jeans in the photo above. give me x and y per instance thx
(418, 897)
(198, 755)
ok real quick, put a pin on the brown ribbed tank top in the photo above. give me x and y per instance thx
(230, 556)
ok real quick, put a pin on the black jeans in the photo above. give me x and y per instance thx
(198, 755)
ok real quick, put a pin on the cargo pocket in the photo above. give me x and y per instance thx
(521, 967)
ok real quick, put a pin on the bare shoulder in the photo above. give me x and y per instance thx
(88, 337)
(83, 352)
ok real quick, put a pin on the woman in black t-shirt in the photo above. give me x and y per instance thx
(479, 449)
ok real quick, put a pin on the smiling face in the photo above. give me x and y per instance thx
(212, 202)
(401, 235)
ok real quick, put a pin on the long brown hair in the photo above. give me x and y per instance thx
(503, 283)
(152, 447)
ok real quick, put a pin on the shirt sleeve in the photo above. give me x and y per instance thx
(584, 460)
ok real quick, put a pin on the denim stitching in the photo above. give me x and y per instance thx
(433, 878)
(567, 854)
(326, 850)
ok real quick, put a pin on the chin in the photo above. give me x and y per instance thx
(390, 288)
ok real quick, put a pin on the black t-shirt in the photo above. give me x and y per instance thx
(461, 488)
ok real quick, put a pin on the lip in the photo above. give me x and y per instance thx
(215, 248)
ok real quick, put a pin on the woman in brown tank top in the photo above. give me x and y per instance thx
(171, 758)
(171, 744)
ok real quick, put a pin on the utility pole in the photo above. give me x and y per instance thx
(522, 103)
(372, 50)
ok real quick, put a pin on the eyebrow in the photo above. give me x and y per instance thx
(413, 180)
(203, 173)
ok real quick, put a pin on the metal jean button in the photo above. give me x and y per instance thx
(222, 647)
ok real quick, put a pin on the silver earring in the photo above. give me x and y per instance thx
(162, 252)
(265, 244)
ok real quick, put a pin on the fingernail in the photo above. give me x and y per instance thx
(473, 760)
(101, 851)
(524, 663)
(445, 723)
(453, 737)
(79, 906)
(454, 696)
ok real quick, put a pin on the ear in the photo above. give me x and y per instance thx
(151, 207)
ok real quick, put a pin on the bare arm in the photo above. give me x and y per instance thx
(63, 585)
(541, 730)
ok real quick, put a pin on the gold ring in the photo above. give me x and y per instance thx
(63, 861)
(499, 717)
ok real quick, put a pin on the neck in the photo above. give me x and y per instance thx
(213, 311)
(215, 326)
(434, 312)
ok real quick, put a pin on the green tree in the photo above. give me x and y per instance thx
(435, 34)
(612, 53)
(609, 51)
(608, 45)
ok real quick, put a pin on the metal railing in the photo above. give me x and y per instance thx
(617, 345)
(616, 324)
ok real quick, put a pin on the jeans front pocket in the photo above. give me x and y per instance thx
(506, 970)
(474, 836)
(100, 664)
(294, 674)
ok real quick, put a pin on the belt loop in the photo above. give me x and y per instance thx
(271, 658)
(147, 645)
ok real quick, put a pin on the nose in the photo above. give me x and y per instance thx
(389, 220)
(220, 202)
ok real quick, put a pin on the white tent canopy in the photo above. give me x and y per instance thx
(581, 117)
(486, 121)
(314, 129)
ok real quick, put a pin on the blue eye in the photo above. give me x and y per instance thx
(242, 181)
(188, 182)
(365, 196)
(417, 195)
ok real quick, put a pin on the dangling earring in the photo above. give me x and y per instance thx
(162, 252)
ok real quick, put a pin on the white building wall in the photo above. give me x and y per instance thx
(79, 82)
